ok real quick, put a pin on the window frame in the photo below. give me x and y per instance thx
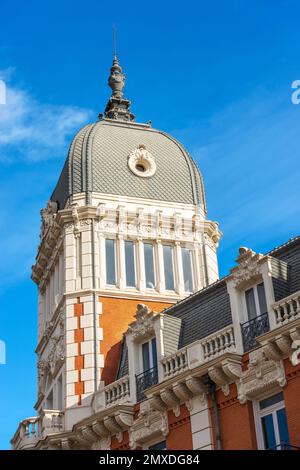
(135, 254)
(256, 301)
(154, 257)
(192, 269)
(259, 414)
(151, 358)
(173, 266)
(115, 259)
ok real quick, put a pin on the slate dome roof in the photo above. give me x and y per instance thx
(97, 160)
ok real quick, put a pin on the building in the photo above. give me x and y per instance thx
(140, 345)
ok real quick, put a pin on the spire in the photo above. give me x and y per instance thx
(118, 107)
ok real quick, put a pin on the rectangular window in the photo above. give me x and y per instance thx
(187, 269)
(272, 423)
(149, 354)
(59, 393)
(49, 401)
(262, 298)
(129, 264)
(250, 301)
(110, 256)
(149, 265)
(168, 267)
(256, 301)
(159, 446)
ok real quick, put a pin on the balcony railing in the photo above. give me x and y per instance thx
(283, 446)
(175, 364)
(287, 309)
(118, 391)
(30, 430)
(253, 328)
(145, 380)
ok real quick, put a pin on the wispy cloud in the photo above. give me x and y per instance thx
(249, 154)
(34, 131)
(30, 132)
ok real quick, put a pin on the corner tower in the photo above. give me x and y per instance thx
(126, 224)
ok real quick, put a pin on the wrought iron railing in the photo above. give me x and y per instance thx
(145, 380)
(283, 446)
(253, 328)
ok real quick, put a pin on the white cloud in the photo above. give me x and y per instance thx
(35, 131)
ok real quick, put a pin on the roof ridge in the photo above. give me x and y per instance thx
(222, 279)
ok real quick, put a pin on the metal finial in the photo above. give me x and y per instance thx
(115, 41)
(118, 107)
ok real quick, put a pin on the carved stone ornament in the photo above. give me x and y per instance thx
(48, 216)
(149, 425)
(248, 267)
(262, 374)
(143, 327)
(141, 162)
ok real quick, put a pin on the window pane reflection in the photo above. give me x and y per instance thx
(168, 267)
(187, 270)
(149, 265)
(129, 263)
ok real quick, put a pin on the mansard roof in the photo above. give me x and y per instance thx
(208, 310)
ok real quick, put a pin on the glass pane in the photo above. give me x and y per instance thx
(187, 270)
(149, 266)
(262, 298)
(250, 301)
(158, 446)
(110, 261)
(49, 402)
(270, 401)
(146, 356)
(168, 266)
(59, 393)
(282, 426)
(268, 431)
(129, 263)
(154, 352)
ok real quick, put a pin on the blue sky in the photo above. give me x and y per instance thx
(217, 75)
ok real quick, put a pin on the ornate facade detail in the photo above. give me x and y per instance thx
(141, 162)
(48, 217)
(248, 267)
(143, 327)
(262, 374)
(149, 425)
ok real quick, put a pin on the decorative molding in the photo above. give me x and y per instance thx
(141, 157)
(143, 326)
(150, 424)
(262, 374)
(248, 267)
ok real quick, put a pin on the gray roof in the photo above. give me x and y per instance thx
(208, 310)
(97, 161)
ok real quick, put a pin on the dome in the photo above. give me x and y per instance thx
(118, 156)
(98, 162)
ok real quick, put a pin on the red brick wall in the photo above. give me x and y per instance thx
(115, 318)
(291, 395)
(180, 432)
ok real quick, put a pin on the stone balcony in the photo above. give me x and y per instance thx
(116, 393)
(31, 430)
(283, 339)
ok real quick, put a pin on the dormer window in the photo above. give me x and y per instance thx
(256, 301)
(149, 354)
(257, 314)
